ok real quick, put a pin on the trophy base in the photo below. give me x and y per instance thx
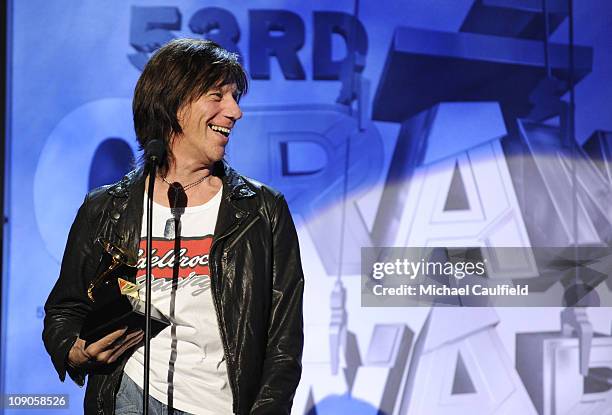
(124, 312)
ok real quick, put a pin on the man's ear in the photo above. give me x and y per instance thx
(183, 114)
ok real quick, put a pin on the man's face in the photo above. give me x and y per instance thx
(206, 125)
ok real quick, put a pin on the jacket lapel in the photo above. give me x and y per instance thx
(231, 211)
(126, 209)
(128, 199)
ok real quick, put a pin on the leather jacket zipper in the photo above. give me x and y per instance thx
(116, 385)
(241, 234)
(213, 272)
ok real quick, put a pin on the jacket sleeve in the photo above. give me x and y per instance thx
(282, 366)
(67, 304)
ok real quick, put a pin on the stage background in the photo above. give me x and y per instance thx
(405, 123)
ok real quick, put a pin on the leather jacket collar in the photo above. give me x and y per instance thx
(234, 186)
(128, 196)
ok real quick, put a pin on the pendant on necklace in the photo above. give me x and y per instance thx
(169, 229)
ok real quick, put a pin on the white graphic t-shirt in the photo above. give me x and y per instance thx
(188, 370)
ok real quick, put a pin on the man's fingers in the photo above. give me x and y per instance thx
(105, 342)
(104, 356)
(125, 338)
(112, 337)
(77, 355)
(134, 334)
(125, 346)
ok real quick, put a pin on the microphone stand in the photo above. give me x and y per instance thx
(153, 162)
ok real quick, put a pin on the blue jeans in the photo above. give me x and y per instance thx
(129, 401)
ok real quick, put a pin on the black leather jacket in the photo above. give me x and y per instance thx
(256, 283)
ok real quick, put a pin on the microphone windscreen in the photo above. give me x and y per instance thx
(155, 150)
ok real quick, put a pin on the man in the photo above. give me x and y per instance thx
(226, 262)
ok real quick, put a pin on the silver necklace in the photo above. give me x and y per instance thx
(187, 187)
(173, 224)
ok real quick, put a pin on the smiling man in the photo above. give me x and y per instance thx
(226, 263)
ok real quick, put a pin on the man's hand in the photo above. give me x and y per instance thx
(104, 351)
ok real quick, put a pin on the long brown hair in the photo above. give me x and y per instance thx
(177, 74)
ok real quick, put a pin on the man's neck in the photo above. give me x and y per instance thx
(197, 194)
(185, 173)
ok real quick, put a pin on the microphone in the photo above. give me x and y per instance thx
(154, 153)
(155, 150)
(178, 202)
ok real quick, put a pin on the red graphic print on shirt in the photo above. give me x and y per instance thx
(192, 258)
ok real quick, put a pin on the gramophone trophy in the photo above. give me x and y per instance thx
(116, 299)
